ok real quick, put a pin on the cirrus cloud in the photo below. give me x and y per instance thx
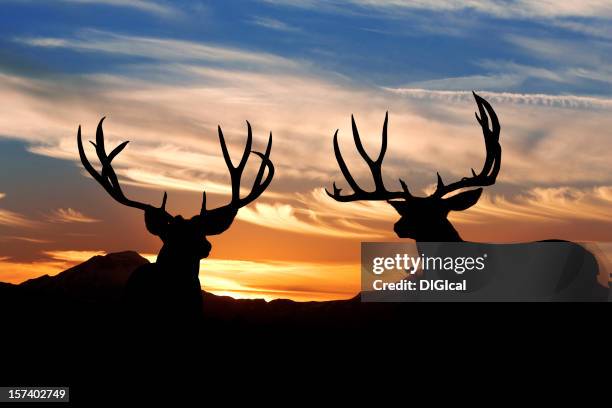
(69, 215)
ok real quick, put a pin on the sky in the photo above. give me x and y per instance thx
(165, 74)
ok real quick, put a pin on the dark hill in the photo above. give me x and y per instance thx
(93, 290)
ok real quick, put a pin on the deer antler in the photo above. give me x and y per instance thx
(490, 169)
(259, 186)
(108, 178)
(380, 192)
(486, 177)
(219, 219)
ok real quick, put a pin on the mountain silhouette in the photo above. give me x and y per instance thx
(95, 289)
(98, 279)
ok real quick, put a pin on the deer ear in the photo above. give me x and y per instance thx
(463, 201)
(156, 221)
(399, 206)
(217, 221)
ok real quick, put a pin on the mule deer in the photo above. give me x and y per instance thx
(425, 219)
(171, 286)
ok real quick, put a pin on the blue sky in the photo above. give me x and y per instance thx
(167, 73)
(385, 43)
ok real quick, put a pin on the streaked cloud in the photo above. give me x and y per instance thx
(554, 101)
(144, 5)
(284, 217)
(161, 49)
(547, 205)
(260, 280)
(273, 24)
(54, 262)
(524, 9)
(29, 240)
(430, 130)
(71, 256)
(148, 6)
(13, 219)
(68, 215)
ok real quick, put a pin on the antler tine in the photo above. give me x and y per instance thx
(108, 178)
(380, 192)
(492, 164)
(236, 171)
(345, 171)
(258, 186)
(491, 135)
(230, 165)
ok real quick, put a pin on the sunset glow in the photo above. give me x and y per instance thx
(166, 74)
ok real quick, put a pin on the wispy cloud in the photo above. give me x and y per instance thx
(159, 8)
(284, 217)
(273, 24)
(72, 256)
(551, 205)
(54, 262)
(29, 240)
(161, 49)
(300, 280)
(13, 219)
(430, 130)
(556, 101)
(526, 9)
(69, 215)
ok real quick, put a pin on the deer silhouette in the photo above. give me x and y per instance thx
(170, 287)
(425, 219)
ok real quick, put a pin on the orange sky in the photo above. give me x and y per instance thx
(165, 84)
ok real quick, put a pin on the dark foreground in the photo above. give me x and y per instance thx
(71, 330)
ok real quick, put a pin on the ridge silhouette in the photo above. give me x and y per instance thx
(425, 219)
(170, 287)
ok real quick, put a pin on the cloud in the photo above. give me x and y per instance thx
(593, 28)
(147, 6)
(490, 82)
(571, 52)
(550, 205)
(71, 256)
(260, 279)
(547, 205)
(544, 100)
(373, 220)
(523, 9)
(284, 217)
(172, 126)
(68, 215)
(14, 271)
(25, 239)
(161, 49)
(273, 24)
(13, 219)
(144, 5)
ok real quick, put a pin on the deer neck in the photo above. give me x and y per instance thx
(179, 266)
(445, 232)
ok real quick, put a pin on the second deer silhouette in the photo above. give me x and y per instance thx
(425, 219)
(171, 286)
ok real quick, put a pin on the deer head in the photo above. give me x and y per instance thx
(184, 240)
(425, 218)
